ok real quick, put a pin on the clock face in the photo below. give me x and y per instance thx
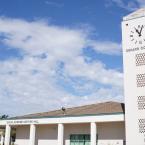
(137, 34)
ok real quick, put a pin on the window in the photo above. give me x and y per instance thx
(79, 139)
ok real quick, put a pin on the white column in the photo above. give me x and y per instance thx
(2, 139)
(7, 134)
(93, 133)
(32, 134)
(60, 134)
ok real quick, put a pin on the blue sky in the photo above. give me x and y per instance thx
(56, 53)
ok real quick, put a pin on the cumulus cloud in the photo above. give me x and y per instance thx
(106, 47)
(50, 54)
(94, 71)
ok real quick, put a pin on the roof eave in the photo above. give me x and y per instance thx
(137, 14)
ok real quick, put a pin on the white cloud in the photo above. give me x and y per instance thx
(51, 3)
(94, 71)
(31, 84)
(131, 5)
(35, 38)
(106, 47)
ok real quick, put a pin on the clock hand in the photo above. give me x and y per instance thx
(141, 31)
(137, 31)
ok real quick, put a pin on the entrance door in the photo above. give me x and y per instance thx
(80, 139)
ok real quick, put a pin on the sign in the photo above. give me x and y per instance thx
(19, 122)
(133, 32)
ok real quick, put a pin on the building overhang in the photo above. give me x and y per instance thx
(118, 117)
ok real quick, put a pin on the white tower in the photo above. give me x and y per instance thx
(133, 32)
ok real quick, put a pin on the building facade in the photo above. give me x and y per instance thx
(96, 124)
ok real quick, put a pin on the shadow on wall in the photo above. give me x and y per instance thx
(46, 134)
(111, 131)
(23, 134)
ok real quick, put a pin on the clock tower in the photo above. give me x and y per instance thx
(133, 41)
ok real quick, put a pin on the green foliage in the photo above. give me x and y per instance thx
(4, 116)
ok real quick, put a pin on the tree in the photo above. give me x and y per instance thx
(4, 116)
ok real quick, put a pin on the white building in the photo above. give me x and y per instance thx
(101, 124)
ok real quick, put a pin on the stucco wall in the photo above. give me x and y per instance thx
(108, 133)
(46, 135)
(22, 135)
(111, 133)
